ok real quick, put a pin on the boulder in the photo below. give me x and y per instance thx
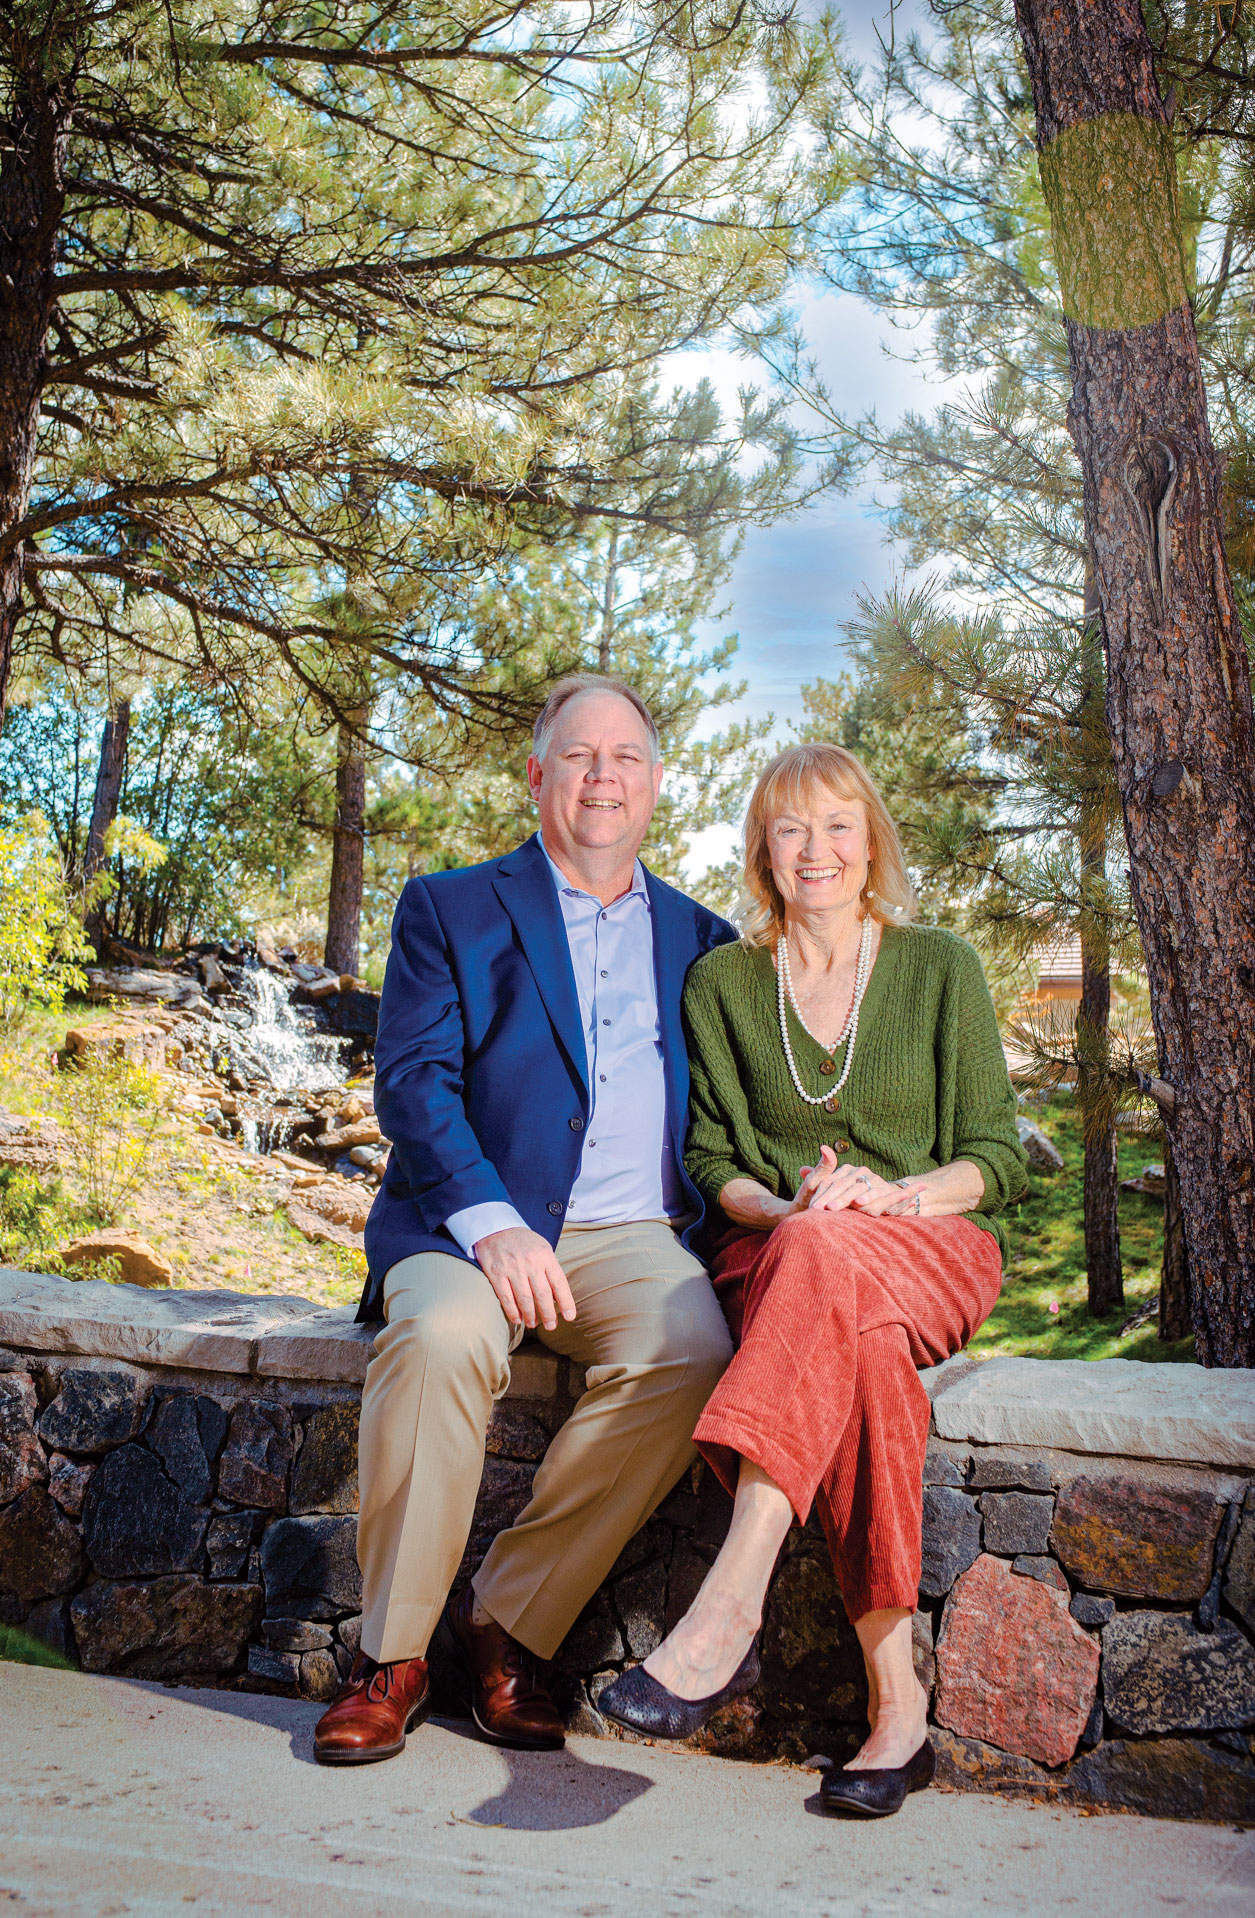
(144, 1044)
(1042, 1154)
(1161, 1674)
(1151, 1182)
(132, 982)
(1013, 1668)
(363, 1132)
(1016, 1522)
(93, 1409)
(1119, 1534)
(951, 1538)
(138, 1263)
(309, 1568)
(136, 1523)
(333, 1213)
(41, 1554)
(31, 1147)
(258, 1452)
(168, 1628)
(325, 1477)
(22, 1461)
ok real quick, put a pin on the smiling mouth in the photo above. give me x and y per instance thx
(815, 875)
(602, 805)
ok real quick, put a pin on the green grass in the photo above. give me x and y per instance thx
(1046, 1266)
(17, 1649)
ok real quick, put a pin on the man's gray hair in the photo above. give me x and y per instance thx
(573, 683)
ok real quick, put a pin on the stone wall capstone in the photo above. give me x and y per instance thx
(178, 1491)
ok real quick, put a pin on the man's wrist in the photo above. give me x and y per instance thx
(476, 1222)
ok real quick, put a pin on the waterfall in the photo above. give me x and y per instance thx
(290, 1051)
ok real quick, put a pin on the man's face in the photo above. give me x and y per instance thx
(598, 785)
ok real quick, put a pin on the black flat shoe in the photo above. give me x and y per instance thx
(877, 1794)
(640, 1704)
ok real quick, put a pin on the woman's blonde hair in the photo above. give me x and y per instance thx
(794, 779)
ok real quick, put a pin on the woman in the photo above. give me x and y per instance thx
(853, 1120)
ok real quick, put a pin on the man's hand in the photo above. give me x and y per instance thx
(522, 1270)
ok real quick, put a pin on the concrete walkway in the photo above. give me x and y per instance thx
(120, 1798)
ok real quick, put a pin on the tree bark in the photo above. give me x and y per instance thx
(1178, 691)
(344, 897)
(1175, 1318)
(605, 640)
(109, 776)
(32, 197)
(1103, 1267)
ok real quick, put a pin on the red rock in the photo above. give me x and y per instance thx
(1014, 1669)
(138, 1263)
(21, 1455)
(1144, 1541)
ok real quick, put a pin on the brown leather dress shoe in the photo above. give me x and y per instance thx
(373, 1710)
(507, 1700)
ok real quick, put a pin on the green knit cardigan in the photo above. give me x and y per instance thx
(929, 1082)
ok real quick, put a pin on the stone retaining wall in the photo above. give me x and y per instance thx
(178, 1488)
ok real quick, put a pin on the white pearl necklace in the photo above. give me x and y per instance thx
(784, 999)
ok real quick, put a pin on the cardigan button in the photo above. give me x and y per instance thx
(555, 1206)
(843, 1145)
(828, 1066)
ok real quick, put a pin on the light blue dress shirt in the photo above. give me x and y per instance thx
(627, 1169)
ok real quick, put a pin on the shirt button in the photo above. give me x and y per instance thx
(605, 974)
(602, 1077)
(576, 1124)
(605, 1022)
(555, 1206)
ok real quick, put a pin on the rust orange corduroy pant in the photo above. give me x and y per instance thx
(832, 1313)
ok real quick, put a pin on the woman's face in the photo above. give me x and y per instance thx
(819, 853)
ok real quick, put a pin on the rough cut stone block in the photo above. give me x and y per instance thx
(991, 1474)
(41, 1555)
(319, 1345)
(1120, 1535)
(136, 1524)
(48, 1623)
(1088, 1610)
(229, 1540)
(21, 1455)
(1168, 1778)
(174, 1435)
(593, 1641)
(1239, 1584)
(640, 1599)
(205, 1331)
(1030, 1565)
(319, 1677)
(940, 1468)
(503, 1492)
(1016, 1522)
(951, 1538)
(325, 1477)
(282, 1668)
(533, 1374)
(1013, 1668)
(1116, 1407)
(810, 1654)
(515, 1434)
(1161, 1674)
(294, 1635)
(68, 1480)
(258, 1452)
(93, 1409)
(171, 1628)
(309, 1567)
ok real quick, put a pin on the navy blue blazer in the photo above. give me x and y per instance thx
(480, 1064)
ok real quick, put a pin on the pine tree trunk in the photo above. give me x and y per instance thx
(32, 196)
(109, 776)
(1178, 688)
(344, 897)
(1104, 1271)
(1175, 1318)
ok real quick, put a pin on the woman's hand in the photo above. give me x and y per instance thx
(829, 1187)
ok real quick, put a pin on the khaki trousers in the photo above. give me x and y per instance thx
(654, 1341)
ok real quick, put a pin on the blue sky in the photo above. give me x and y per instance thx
(795, 583)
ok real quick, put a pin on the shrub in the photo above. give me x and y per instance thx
(112, 1111)
(42, 944)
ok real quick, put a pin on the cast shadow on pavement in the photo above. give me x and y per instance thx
(546, 1791)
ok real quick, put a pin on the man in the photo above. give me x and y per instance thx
(531, 1074)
